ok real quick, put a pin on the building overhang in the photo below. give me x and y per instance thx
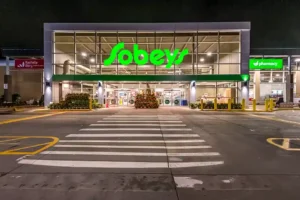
(212, 78)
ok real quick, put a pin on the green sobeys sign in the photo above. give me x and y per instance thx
(141, 57)
(265, 64)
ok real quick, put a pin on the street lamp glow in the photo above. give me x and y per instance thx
(83, 54)
(92, 60)
(209, 54)
(202, 59)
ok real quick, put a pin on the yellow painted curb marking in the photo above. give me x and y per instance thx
(285, 144)
(28, 118)
(15, 151)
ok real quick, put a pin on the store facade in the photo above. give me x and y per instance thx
(181, 62)
(278, 75)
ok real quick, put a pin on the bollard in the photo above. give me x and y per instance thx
(271, 104)
(229, 104)
(254, 104)
(201, 104)
(266, 105)
(215, 104)
(243, 104)
(90, 104)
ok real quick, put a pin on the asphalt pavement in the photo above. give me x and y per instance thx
(165, 153)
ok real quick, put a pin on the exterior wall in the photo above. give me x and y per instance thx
(26, 83)
(242, 27)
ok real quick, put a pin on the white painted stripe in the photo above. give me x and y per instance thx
(132, 147)
(194, 164)
(102, 153)
(150, 121)
(131, 141)
(137, 125)
(134, 135)
(135, 129)
(186, 182)
(118, 165)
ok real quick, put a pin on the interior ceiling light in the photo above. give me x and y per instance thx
(209, 53)
(202, 60)
(83, 54)
(277, 74)
(297, 60)
(92, 60)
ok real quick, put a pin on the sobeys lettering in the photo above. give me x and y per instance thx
(141, 57)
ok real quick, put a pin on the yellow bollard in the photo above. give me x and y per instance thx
(243, 104)
(215, 104)
(266, 105)
(201, 104)
(271, 104)
(229, 104)
(254, 104)
(90, 104)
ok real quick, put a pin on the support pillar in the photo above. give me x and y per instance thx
(256, 88)
(100, 92)
(7, 83)
(193, 92)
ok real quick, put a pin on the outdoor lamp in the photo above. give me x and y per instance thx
(48, 84)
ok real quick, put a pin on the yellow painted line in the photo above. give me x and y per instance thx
(285, 144)
(28, 118)
(276, 119)
(45, 145)
(9, 140)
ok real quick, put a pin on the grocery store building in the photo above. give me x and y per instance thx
(181, 62)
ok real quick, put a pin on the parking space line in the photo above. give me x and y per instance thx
(28, 118)
(16, 150)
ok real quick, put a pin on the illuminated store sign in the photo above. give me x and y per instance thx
(141, 57)
(265, 64)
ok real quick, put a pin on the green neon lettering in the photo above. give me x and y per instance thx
(156, 57)
(113, 54)
(171, 57)
(121, 57)
(139, 53)
(181, 56)
(141, 57)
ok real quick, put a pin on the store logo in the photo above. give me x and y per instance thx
(22, 65)
(266, 63)
(141, 57)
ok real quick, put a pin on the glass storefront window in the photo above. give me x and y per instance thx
(265, 77)
(277, 77)
(209, 53)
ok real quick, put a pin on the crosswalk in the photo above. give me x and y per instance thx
(130, 142)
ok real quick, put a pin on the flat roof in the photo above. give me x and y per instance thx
(182, 26)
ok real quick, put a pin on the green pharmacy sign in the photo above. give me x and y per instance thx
(156, 57)
(276, 64)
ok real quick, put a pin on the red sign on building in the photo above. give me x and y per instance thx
(29, 63)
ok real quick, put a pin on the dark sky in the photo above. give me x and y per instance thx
(275, 23)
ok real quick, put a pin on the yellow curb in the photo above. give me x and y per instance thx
(15, 151)
(28, 118)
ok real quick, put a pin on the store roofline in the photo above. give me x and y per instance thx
(213, 26)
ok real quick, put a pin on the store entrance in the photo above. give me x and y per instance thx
(124, 94)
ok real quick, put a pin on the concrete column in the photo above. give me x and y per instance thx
(100, 92)
(48, 68)
(297, 84)
(7, 83)
(193, 92)
(256, 86)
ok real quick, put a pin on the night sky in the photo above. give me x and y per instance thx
(275, 23)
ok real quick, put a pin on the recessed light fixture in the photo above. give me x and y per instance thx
(83, 54)
(202, 60)
(297, 60)
(277, 74)
(209, 54)
(92, 60)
